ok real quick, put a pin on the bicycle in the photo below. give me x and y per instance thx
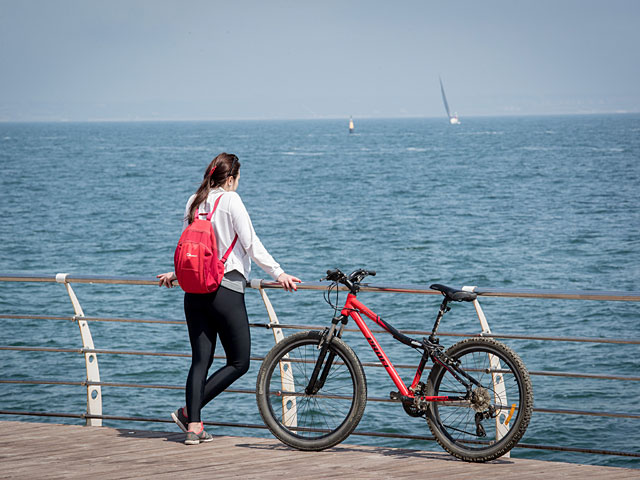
(311, 388)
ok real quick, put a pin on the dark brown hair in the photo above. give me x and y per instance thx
(219, 170)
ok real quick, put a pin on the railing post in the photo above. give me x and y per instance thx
(500, 393)
(94, 392)
(289, 407)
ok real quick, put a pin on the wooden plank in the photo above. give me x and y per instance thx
(32, 450)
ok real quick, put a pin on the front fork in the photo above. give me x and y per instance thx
(316, 382)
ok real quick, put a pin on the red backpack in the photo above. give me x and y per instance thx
(197, 266)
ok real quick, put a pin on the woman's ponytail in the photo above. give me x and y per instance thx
(222, 167)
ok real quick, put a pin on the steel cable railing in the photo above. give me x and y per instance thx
(103, 351)
(252, 392)
(312, 327)
(91, 354)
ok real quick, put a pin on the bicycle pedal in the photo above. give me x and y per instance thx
(395, 396)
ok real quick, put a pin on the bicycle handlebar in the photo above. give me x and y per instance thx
(350, 281)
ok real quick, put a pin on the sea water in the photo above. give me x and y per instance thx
(511, 202)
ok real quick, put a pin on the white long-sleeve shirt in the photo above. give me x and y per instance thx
(232, 218)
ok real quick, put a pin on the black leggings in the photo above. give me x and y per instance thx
(208, 315)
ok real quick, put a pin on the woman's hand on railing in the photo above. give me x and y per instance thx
(288, 282)
(166, 279)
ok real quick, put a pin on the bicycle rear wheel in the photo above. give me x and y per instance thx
(310, 421)
(498, 414)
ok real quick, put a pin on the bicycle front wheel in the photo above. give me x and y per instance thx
(495, 418)
(310, 421)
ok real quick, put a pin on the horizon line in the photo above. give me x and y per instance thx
(327, 117)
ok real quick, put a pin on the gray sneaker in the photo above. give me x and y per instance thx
(181, 419)
(196, 438)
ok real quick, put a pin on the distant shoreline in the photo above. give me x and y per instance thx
(305, 119)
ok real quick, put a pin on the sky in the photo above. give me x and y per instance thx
(90, 60)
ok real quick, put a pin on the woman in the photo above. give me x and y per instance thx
(221, 313)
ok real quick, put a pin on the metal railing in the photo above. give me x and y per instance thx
(94, 416)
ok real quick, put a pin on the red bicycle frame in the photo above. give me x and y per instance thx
(352, 308)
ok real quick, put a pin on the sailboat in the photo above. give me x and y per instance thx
(453, 119)
(351, 127)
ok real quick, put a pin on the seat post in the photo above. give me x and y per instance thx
(443, 309)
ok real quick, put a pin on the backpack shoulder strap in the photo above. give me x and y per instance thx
(215, 206)
(233, 244)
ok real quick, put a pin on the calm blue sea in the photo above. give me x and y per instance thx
(531, 202)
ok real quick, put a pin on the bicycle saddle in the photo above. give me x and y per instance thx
(454, 294)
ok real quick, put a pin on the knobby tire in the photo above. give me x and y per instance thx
(317, 421)
(454, 426)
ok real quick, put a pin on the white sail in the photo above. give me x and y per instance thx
(444, 98)
(453, 119)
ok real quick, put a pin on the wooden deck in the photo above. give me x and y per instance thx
(45, 450)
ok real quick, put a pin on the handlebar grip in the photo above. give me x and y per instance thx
(333, 275)
(372, 273)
